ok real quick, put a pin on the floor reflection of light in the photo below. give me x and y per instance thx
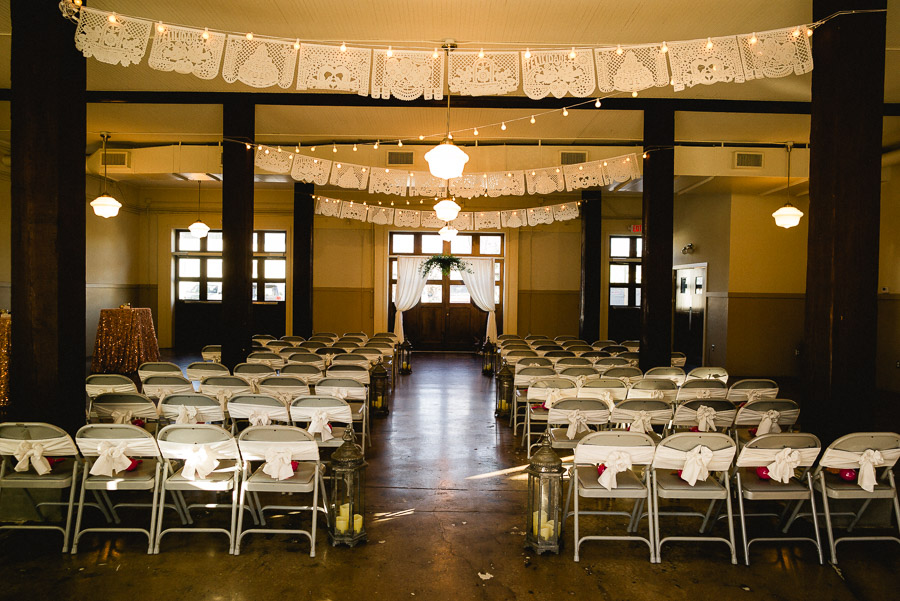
(512, 470)
(387, 516)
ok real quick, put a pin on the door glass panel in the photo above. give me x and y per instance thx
(214, 291)
(275, 242)
(393, 292)
(255, 241)
(275, 269)
(618, 297)
(394, 269)
(274, 291)
(461, 245)
(214, 268)
(618, 274)
(432, 244)
(637, 275)
(403, 243)
(188, 290)
(497, 271)
(189, 268)
(433, 293)
(186, 241)
(619, 247)
(455, 275)
(214, 242)
(637, 297)
(497, 295)
(434, 274)
(491, 245)
(459, 294)
(640, 245)
(253, 293)
(255, 269)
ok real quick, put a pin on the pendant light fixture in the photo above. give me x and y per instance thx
(105, 205)
(198, 229)
(446, 160)
(447, 210)
(788, 216)
(447, 233)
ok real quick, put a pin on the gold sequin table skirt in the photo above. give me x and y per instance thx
(125, 339)
(5, 328)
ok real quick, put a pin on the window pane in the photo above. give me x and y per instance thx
(459, 294)
(455, 276)
(640, 244)
(432, 293)
(619, 246)
(431, 244)
(461, 245)
(394, 265)
(393, 292)
(275, 269)
(275, 242)
(618, 274)
(255, 241)
(214, 291)
(403, 243)
(214, 268)
(637, 276)
(253, 292)
(435, 274)
(214, 242)
(186, 241)
(618, 297)
(491, 245)
(189, 268)
(274, 291)
(188, 290)
(497, 294)
(637, 297)
(497, 271)
(255, 269)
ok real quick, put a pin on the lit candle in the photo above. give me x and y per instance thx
(535, 522)
(345, 511)
(357, 522)
(548, 530)
(341, 524)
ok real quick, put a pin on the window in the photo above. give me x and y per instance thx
(199, 267)
(625, 271)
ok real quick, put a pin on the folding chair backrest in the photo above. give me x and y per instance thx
(503, 337)
(256, 443)
(535, 337)
(233, 381)
(294, 340)
(580, 349)
(761, 450)
(580, 372)
(332, 384)
(626, 374)
(96, 384)
(596, 412)
(263, 338)
(553, 382)
(314, 344)
(563, 338)
(527, 376)
(198, 370)
(780, 412)
(158, 368)
(573, 342)
(601, 344)
(122, 407)
(252, 372)
(370, 353)
(346, 370)
(303, 408)
(132, 440)
(677, 359)
(862, 441)
(702, 389)
(596, 447)
(224, 387)
(158, 386)
(688, 413)
(269, 358)
(533, 362)
(558, 354)
(276, 345)
(182, 441)
(304, 357)
(615, 349)
(547, 347)
(608, 362)
(750, 389)
(352, 358)
(631, 345)
(672, 451)
(708, 373)
(331, 335)
(192, 407)
(595, 355)
(632, 357)
(284, 388)
(211, 352)
(675, 374)
(258, 408)
(515, 346)
(514, 356)
(657, 412)
(346, 344)
(330, 350)
(300, 370)
(40, 439)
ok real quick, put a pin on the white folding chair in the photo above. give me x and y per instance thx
(580, 349)
(766, 415)
(701, 389)
(353, 358)
(348, 370)
(696, 455)
(782, 454)
(257, 409)
(122, 408)
(629, 375)
(109, 451)
(158, 387)
(276, 346)
(608, 390)
(311, 344)
(273, 360)
(556, 355)
(24, 448)
(708, 373)
(192, 408)
(293, 340)
(525, 376)
(642, 388)
(601, 344)
(532, 362)
(356, 394)
(212, 352)
(579, 375)
(641, 415)
(283, 388)
(570, 420)
(223, 388)
(317, 412)
(616, 349)
(675, 374)
(308, 374)
(198, 370)
(618, 452)
(208, 461)
(253, 372)
(276, 448)
(868, 452)
(307, 358)
(633, 358)
(158, 368)
(707, 415)
(544, 392)
(607, 362)
(567, 362)
(677, 359)
(752, 389)
(96, 384)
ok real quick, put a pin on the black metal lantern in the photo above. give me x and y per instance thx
(544, 495)
(505, 390)
(487, 359)
(347, 502)
(404, 358)
(379, 389)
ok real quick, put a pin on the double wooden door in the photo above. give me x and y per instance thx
(445, 325)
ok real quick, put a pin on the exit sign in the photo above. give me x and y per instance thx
(635, 229)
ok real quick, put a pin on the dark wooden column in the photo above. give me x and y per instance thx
(48, 218)
(656, 278)
(304, 211)
(591, 266)
(844, 191)
(239, 119)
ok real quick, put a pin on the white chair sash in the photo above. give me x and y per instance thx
(319, 418)
(123, 413)
(94, 390)
(641, 421)
(616, 462)
(526, 380)
(278, 455)
(739, 395)
(276, 363)
(215, 357)
(607, 395)
(196, 374)
(192, 414)
(781, 463)
(143, 375)
(285, 394)
(161, 391)
(355, 393)
(550, 396)
(612, 458)
(32, 452)
(360, 376)
(252, 379)
(687, 394)
(200, 460)
(111, 459)
(580, 381)
(705, 418)
(578, 419)
(258, 415)
(319, 363)
(766, 421)
(651, 394)
(865, 461)
(224, 393)
(694, 464)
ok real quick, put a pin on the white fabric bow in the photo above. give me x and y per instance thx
(769, 422)
(222, 395)
(199, 463)
(579, 381)
(284, 397)
(259, 418)
(642, 422)
(696, 464)
(704, 393)
(111, 459)
(121, 417)
(869, 459)
(616, 462)
(35, 453)
(577, 423)
(186, 415)
(319, 424)
(341, 393)
(552, 397)
(706, 419)
(782, 468)
(657, 394)
(329, 358)
(754, 395)
(278, 464)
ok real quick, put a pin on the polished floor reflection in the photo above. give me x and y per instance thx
(446, 512)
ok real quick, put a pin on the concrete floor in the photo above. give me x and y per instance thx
(444, 521)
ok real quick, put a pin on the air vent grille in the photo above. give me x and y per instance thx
(398, 158)
(748, 160)
(116, 158)
(567, 157)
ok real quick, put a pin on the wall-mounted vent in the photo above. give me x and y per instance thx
(116, 158)
(398, 158)
(568, 157)
(748, 160)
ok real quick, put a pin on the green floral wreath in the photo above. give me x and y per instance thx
(445, 263)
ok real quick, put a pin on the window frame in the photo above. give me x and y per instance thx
(633, 262)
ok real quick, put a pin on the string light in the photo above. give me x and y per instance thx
(363, 169)
(205, 34)
(532, 119)
(339, 165)
(333, 147)
(572, 54)
(354, 147)
(343, 47)
(279, 149)
(597, 103)
(645, 155)
(753, 39)
(481, 53)
(248, 146)
(390, 52)
(503, 126)
(400, 143)
(112, 18)
(475, 132)
(527, 54)
(796, 32)
(664, 48)
(634, 94)
(809, 32)
(249, 36)
(297, 44)
(421, 137)
(312, 148)
(709, 43)
(434, 54)
(565, 112)
(160, 27)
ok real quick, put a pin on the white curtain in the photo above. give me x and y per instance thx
(480, 285)
(410, 284)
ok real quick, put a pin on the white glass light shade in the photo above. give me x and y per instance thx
(447, 233)
(446, 210)
(787, 216)
(106, 206)
(199, 229)
(446, 160)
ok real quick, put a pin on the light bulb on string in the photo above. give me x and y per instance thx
(753, 39)
(809, 32)
(532, 119)
(634, 94)
(278, 149)
(709, 43)
(527, 54)
(390, 52)
(160, 27)
(249, 36)
(343, 47)
(572, 54)
(312, 148)
(249, 146)
(266, 151)
(503, 126)
(796, 32)
(619, 49)
(481, 53)
(664, 48)
(645, 155)
(205, 34)
(434, 54)
(565, 112)
(597, 103)
(112, 18)
(354, 147)
(333, 147)
(376, 145)
(421, 137)
(400, 143)
(475, 132)
(297, 44)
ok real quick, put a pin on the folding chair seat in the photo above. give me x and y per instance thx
(563, 338)
(352, 358)
(317, 412)
(192, 408)
(869, 453)
(294, 340)
(253, 372)
(601, 344)
(766, 415)
(675, 374)
(223, 388)
(707, 415)
(212, 352)
(677, 359)
(642, 415)
(751, 389)
(348, 370)
(570, 420)
(283, 388)
(708, 373)
(158, 368)
(608, 390)
(208, 461)
(697, 456)
(580, 349)
(307, 373)
(567, 362)
(158, 387)
(664, 390)
(198, 370)
(619, 453)
(346, 344)
(355, 393)
(782, 454)
(25, 448)
(608, 362)
(277, 345)
(306, 358)
(701, 389)
(273, 449)
(314, 344)
(616, 349)
(122, 408)
(273, 360)
(108, 451)
(543, 394)
(257, 409)
(96, 384)
(633, 358)
(533, 362)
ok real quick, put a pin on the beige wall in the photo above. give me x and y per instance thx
(888, 349)
(343, 275)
